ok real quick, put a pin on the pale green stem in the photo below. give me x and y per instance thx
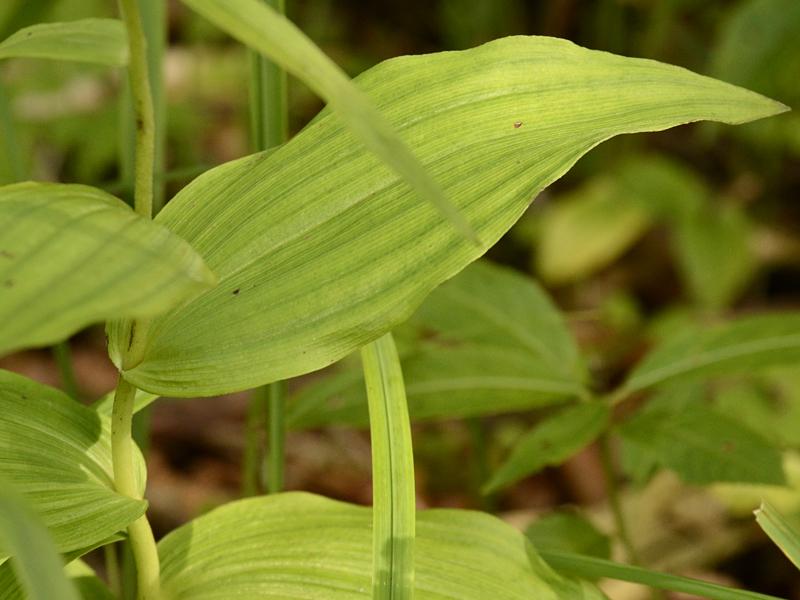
(140, 535)
(63, 356)
(11, 150)
(113, 575)
(393, 504)
(276, 454)
(154, 23)
(613, 499)
(269, 127)
(144, 155)
(254, 426)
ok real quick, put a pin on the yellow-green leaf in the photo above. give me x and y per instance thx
(296, 545)
(57, 455)
(71, 255)
(101, 41)
(320, 248)
(264, 29)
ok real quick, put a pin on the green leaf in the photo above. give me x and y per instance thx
(87, 584)
(587, 230)
(703, 446)
(71, 255)
(486, 342)
(36, 562)
(595, 568)
(393, 497)
(741, 345)
(714, 254)
(101, 41)
(780, 531)
(323, 214)
(568, 532)
(296, 545)
(551, 442)
(57, 454)
(264, 29)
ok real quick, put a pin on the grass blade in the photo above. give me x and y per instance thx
(264, 29)
(394, 511)
(780, 531)
(594, 568)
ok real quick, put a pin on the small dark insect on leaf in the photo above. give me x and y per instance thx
(517, 124)
(236, 292)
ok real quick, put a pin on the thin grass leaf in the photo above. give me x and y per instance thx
(322, 213)
(36, 561)
(267, 31)
(393, 498)
(588, 567)
(779, 531)
(99, 41)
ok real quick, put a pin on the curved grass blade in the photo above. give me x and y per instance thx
(322, 213)
(393, 499)
(595, 568)
(35, 560)
(779, 531)
(267, 31)
(99, 41)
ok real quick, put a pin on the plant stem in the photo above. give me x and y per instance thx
(613, 498)
(113, 575)
(141, 540)
(256, 414)
(8, 134)
(269, 127)
(276, 397)
(142, 109)
(154, 25)
(393, 504)
(63, 356)
(269, 116)
(140, 535)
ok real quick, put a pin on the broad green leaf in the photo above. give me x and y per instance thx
(57, 454)
(780, 531)
(742, 345)
(296, 545)
(71, 255)
(714, 254)
(591, 567)
(551, 442)
(393, 497)
(264, 29)
(486, 342)
(101, 41)
(36, 562)
(702, 446)
(588, 229)
(320, 248)
(568, 532)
